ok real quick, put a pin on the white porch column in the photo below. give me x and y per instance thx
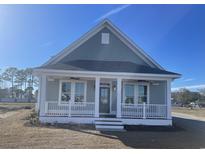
(37, 106)
(169, 116)
(43, 105)
(119, 97)
(97, 95)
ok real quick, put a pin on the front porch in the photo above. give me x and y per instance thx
(134, 100)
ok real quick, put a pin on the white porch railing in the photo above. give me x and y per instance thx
(149, 111)
(73, 109)
(138, 111)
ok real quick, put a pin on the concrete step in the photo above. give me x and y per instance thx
(109, 128)
(109, 125)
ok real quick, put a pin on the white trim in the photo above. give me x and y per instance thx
(110, 97)
(133, 46)
(110, 86)
(97, 95)
(119, 97)
(148, 87)
(75, 44)
(37, 106)
(168, 90)
(123, 90)
(106, 23)
(105, 38)
(43, 109)
(142, 76)
(73, 84)
(89, 120)
(136, 90)
(60, 93)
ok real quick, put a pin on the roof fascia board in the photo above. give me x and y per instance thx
(97, 73)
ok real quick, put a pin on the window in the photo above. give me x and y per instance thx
(72, 91)
(135, 93)
(129, 93)
(65, 92)
(79, 92)
(142, 94)
(105, 38)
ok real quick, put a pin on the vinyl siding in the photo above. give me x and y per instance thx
(158, 93)
(92, 49)
(52, 90)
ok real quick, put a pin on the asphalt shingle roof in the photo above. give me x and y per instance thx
(106, 66)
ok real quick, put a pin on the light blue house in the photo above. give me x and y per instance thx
(106, 79)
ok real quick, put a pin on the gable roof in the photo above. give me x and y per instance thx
(108, 24)
(106, 66)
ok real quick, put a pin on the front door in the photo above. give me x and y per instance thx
(104, 100)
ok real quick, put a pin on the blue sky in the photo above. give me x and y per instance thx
(174, 35)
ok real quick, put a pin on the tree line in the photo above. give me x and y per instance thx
(185, 96)
(17, 83)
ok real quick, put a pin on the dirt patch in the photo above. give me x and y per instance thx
(16, 131)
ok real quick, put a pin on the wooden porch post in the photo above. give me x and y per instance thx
(169, 116)
(97, 94)
(119, 97)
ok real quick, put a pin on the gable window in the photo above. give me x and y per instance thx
(135, 93)
(105, 38)
(72, 91)
(142, 94)
(129, 93)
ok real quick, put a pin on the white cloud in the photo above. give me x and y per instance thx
(193, 87)
(114, 11)
(189, 79)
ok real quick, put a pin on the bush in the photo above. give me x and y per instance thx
(33, 118)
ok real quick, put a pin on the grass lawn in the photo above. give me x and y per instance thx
(8, 107)
(188, 111)
(16, 131)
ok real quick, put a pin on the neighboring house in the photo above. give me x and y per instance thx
(106, 79)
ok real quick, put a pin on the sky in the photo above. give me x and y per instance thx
(173, 35)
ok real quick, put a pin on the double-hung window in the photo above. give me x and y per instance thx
(65, 96)
(129, 93)
(135, 93)
(72, 91)
(79, 92)
(142, 94)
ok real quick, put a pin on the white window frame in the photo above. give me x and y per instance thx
(60, 93)
(72, 100)
(135, 92)
(105, 38)
(85, 91)
(143, 84)
(136, 84)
